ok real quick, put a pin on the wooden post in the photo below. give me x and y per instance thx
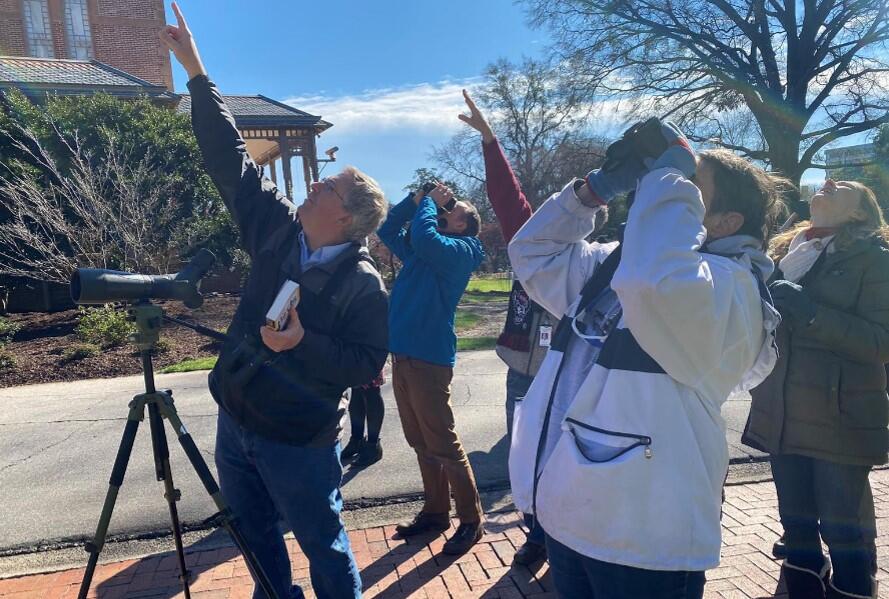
(284, 144)
(273, 171)
(313, 157)
(310, 161)
(307, 172)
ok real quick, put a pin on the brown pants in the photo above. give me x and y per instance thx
(423, 395)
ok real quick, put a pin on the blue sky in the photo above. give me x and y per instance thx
(386, 73)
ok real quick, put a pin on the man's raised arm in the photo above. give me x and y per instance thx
(254, 202)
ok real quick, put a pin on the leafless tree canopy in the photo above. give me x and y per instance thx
(114, 213)
(538, 112)
(775, 80)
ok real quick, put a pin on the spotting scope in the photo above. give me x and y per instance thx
(93, 286)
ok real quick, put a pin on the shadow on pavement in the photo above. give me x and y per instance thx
(492, 466)
(209, 562)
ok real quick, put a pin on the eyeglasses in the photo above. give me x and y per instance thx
(331, 186)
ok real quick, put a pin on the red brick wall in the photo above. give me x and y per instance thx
(12, 31)
(124, 35)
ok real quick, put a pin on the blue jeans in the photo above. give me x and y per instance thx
(575, 576)
(819, 499)
(517, 385)
(264, 481)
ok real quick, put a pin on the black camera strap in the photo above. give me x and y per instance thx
(597, 283)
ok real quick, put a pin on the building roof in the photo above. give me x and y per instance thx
(260, 111)
(38, 76)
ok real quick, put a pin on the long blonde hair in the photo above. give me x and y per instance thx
(872, 224)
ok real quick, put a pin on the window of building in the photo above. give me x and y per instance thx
(37, 29)
(77, 24)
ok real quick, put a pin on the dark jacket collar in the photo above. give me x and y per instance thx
(317, 276)
(857, 247)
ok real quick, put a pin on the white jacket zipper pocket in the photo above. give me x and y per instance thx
(600, 453)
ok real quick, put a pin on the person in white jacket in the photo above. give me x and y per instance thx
(619, 447)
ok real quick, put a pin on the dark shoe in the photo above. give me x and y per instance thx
(835, 593)
(462, 541)
(423, 523)
(370, 453)
(529, 553)
(352, 448)
(779, 549)
(803, 583)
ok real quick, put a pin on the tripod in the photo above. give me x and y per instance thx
(147, 318)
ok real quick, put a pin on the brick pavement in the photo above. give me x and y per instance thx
(394, 568)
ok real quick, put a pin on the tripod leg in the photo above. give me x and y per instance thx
(95, 546)
(172, 495)
(225, 514)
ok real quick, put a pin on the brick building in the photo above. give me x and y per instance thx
(119, 33)
(82, 47)
(78, 47)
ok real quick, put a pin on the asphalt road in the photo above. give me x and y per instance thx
(58, 443)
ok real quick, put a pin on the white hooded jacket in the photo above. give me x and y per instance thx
(631, 465)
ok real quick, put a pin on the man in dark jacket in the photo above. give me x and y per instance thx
(439, 252)
(281, 392)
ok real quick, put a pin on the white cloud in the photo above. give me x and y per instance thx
(429, 107)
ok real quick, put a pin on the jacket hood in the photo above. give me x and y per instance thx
(745, 248)
(748, 250)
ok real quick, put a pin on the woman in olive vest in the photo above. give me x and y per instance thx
(823, 412)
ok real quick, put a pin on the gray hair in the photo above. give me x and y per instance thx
(366, 203)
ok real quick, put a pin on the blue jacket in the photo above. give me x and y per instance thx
(434, 276)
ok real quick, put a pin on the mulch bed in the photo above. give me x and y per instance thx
(38, 346)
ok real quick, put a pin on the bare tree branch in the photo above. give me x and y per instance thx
(109, 213)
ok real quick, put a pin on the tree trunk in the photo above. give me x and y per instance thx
(783, 147)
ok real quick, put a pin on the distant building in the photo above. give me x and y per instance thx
(849, 159)
(808, 190)
(119, 33)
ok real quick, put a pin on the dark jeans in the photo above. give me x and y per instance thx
(575, 576)
(366, 404)
(517, 385)
(264, 481)
(818, 499)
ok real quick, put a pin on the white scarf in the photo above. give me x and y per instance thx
(802, 255)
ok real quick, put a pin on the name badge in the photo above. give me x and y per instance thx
(546, 333)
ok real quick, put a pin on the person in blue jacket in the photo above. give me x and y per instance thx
(439, 250)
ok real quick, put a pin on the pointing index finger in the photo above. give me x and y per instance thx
(179, 17)
(469, 101)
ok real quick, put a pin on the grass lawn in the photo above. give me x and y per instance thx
(488, 285)
(485, 296)
(476, 343)
(189, 365)
(465, 320)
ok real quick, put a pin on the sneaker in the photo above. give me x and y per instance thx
(529, 553)
(352, 448)
(423, 523)
(370, 453)
(467, 535)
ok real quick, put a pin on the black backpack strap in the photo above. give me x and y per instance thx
(597, 283)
